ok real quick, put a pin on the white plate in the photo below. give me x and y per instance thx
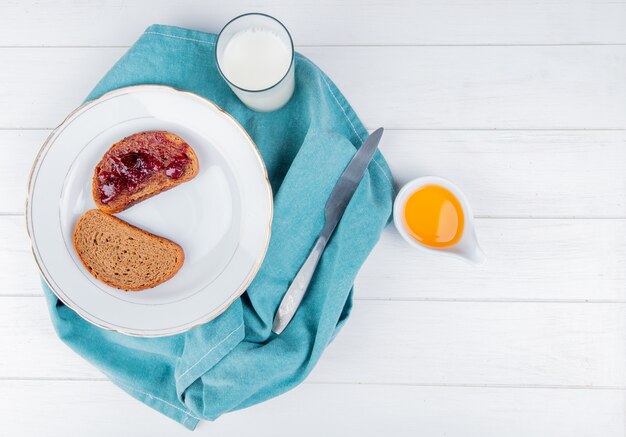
(221, 218)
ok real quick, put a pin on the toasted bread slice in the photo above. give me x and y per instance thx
(141, 166)
(123, 256)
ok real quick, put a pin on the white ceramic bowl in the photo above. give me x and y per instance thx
(466, 248)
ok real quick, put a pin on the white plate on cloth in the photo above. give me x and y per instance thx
(221, 218)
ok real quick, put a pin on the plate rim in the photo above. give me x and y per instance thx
(246, 282)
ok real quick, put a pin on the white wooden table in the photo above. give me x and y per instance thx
(522, 103)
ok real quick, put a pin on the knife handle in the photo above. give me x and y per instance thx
(291, 301)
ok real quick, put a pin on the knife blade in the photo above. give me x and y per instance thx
(335, 207)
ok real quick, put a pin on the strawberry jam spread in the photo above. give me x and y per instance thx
(128, 168)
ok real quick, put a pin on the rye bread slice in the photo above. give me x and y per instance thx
(141, 166)
(123, 256)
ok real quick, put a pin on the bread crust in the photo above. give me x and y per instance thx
(151, 189)
(100, 277)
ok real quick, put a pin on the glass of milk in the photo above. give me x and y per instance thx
(255, 56)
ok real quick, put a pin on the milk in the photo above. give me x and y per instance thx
(255, 59)
(257, 63)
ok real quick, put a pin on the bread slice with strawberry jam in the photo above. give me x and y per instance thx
(141, 166)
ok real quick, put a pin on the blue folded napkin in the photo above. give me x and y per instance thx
(235, 360)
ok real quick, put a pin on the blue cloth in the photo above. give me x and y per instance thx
(235, 360)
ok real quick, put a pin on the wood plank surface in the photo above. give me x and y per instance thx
(521, 103)
(431, 343)
(504, 173)
(528, 260)
(573, 87)
(324, 22)
(98, 409)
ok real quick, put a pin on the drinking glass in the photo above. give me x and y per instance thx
(278, 93)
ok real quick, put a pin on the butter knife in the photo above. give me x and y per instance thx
(335, 207)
